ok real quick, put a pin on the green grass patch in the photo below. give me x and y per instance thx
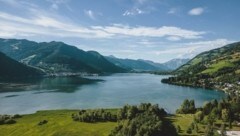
(196, 61)
(215, 67)
(59, 123)
(184, 121)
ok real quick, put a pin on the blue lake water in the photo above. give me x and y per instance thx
(115, 91)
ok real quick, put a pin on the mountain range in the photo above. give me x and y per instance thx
(146, 65)
(175, 63)
(58, 57)
(54, 57)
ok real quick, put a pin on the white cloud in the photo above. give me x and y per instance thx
(132, 12)
(196, 11)
(139, 7)
(90, 14)
(174, 38)
(151, 31)
(45, 25)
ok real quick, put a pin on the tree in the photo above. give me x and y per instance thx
(207, 108)
(198, 117)
(209, 131)
(192, 108)
(187, 107)
(225, 115)
(211, 118)
(145, 120)
(178, 129)
(196, 128)
(189, 130)
(131, 112)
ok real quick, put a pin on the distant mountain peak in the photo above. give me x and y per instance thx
(137, 65)
(111, 56)
(175, 63)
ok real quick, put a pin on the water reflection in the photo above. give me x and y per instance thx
(51, 84)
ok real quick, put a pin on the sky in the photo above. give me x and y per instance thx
(157, 30)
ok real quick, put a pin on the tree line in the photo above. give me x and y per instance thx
(227, 110)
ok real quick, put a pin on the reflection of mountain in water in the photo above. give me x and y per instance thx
(56, 84)
(63, 84)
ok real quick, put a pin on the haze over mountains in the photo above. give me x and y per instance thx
(146, 65)
(57, 57)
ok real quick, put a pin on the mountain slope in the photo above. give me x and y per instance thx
(13, 69)
(136, 65)
(56, 56)
(218, 68)
(175, 63)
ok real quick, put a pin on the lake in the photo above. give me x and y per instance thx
(114, 91)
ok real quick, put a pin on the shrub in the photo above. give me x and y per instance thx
(43, 122)
(9, 121)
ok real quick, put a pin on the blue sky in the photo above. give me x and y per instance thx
(157, 30)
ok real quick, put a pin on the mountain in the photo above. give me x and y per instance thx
(136, 65)
(175, 63)
(54, 57)
(13, 69)
(218, 68)
(160, 66)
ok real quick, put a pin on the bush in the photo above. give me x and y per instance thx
(43, 122)
(178, 129)
(99, 115)
(16, 116)
(7, 119)
(189, 130)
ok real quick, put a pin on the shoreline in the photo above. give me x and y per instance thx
(203, 87)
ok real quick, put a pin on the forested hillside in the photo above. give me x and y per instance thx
(218, 69)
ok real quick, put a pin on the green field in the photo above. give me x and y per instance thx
(215, 67)
(59, 123)
(196, 61)
(184, 121)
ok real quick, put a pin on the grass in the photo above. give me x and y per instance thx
(215, 67)
(196, 61)
(59, 123)
(184, 121)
